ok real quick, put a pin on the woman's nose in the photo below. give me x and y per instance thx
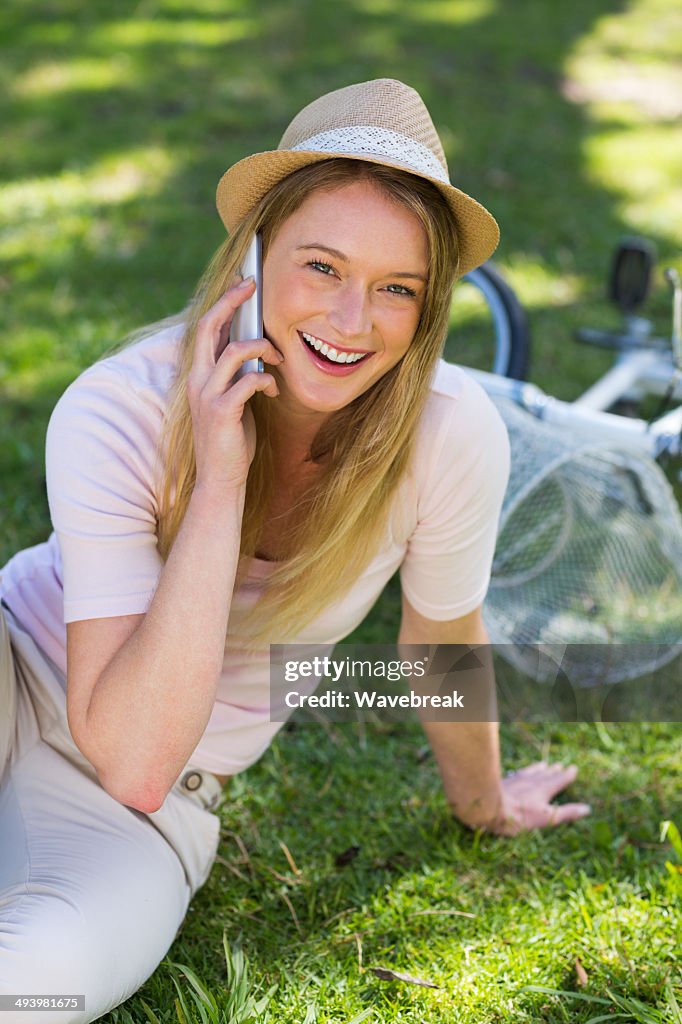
(350, 314)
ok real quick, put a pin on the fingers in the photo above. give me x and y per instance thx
(219, 316)
(222, 380)
(552, 777)
(527, 795)
(214, 326)
(215, 363)
(237, 352)
(559, 814)
(241, 390)
(559, 778)
(220, 383)
(526, 819)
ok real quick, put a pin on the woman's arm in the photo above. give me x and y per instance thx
(139, 718)
(468, 753)
(138, 711)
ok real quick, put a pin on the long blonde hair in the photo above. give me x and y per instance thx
(363, 449)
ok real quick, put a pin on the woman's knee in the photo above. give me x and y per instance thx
(49, 947)
(45, 949)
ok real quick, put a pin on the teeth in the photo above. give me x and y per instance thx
(330, 352)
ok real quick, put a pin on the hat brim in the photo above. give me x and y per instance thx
(247, 181)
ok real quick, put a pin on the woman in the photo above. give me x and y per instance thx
(198, 517)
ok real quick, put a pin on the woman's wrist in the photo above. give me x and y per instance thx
(484, 811)
(217, 504)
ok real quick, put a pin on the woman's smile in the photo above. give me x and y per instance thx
(343, 290)
(334, 355)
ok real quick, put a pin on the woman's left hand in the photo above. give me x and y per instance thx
(526, 796)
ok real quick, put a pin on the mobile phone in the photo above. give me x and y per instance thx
(247, 322)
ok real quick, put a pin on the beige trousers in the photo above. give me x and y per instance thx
(92, 892)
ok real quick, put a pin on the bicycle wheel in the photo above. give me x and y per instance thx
(488, 325)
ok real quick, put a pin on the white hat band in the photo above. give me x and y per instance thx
(368, 140)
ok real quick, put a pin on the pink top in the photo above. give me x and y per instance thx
(101, 560)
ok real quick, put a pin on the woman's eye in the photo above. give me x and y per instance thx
(328, 269)
(324, 268)
(402, 290)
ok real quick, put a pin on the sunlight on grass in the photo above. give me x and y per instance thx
(646, 30)
(86, 73)
(538, 286)
(185, 32)
(624, 74)
(452, 12)
(535, 284)
(112, 180)
(206, 8)
(644, 167)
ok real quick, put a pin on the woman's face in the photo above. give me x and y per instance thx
(344, 282)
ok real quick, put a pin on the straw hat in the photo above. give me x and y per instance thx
(380, 122)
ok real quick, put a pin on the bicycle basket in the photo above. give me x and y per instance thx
(589, 554)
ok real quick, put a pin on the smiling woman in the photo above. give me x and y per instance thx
(353, 316)
(200, 516)
(320, 494)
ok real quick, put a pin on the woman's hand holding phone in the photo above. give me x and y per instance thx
(222, 423)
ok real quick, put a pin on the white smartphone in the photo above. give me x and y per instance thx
(247, 322)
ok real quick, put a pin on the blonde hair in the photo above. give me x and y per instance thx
(362, 450)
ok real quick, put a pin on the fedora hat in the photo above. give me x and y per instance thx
(381, 122)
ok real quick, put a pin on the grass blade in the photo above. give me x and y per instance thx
(362, 1016)
(151, 1016)
(563, 992)
(670, 832)
(609, 1016)
(205, 997)
(673, 1003)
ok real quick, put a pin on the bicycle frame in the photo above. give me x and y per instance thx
(634, 374)
(644, 365)
(587, 414)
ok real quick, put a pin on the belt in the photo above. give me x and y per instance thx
(200, 786)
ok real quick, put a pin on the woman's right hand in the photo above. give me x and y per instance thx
(527, 795)
(222, 423)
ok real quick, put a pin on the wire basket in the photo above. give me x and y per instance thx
(589, 554)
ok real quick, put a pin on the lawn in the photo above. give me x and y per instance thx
(338, 853)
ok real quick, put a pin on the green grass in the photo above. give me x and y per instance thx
(524, 911)
(563, 119)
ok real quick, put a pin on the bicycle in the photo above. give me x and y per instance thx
(490, 326)
(589, 548)
(645, 366)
